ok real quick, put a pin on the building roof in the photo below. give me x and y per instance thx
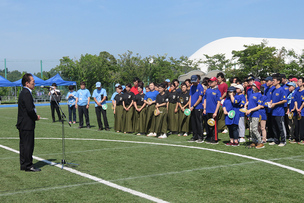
(227, 45)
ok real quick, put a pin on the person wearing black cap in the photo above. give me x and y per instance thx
(196, 107)
(55, 97)
(231, 111)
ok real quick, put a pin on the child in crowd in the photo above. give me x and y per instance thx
(253, 114)
(299, 127)
(263, 117)
(291, 111)
(71, 97)
(161, 112)
(183, 120)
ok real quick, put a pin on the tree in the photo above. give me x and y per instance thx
(258, 60)
(217, 62)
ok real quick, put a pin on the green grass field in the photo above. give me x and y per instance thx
(174, 172)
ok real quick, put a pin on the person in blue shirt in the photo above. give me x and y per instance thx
(278, 112)
(241, 101)
(150, 100)
(83, 104)
(229, 105)
(254, 115)
(196, 98)
(299, 104)
(268, 93)
(212, 102)
(263, 102)
(71, 97)
(286, 89)
(291, 111)
(100, 97)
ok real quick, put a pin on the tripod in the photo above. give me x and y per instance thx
(63, 118)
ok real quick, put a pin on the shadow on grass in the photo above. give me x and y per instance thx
(41, 164)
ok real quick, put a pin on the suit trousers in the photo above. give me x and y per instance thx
(26, 147)
(83, 110)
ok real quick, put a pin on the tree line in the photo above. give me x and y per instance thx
(259, 60)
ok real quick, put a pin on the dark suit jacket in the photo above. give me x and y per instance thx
(26, 111)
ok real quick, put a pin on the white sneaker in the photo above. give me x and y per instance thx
(242, 139)
(154, 135)
(272, 143)
(225, 131)
(281, 144)
(163, 136)
(150, 135)
(186, 134)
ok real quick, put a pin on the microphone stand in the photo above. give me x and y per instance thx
(63, 118)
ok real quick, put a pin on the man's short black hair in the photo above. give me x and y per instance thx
(188, 80)
(175, 80)
(26, 78)
(278, 77)
(71, 87)
(82, 83)
(198, 77)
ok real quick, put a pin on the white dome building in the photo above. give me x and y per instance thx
(227, 45)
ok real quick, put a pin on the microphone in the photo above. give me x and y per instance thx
(47, 87)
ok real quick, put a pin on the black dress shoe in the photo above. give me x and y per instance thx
(33, 169)
(100, 129)
(107, 129)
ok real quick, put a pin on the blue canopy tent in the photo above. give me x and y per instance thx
(38, 81)
(59, 81)
(5, 83)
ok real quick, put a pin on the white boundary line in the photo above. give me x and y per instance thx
(113, 185)
(182, 146)
(191, 147)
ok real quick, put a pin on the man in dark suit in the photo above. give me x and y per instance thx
(26, 123)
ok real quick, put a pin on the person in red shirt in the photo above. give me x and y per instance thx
(134, 89)
(223, 87)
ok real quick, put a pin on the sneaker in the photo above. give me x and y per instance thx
(260, 146)
(179, 134)
(191, 140)
(253, 145)
(272, 143)
(199, 141)
(282, 144)
(185, 134)
(138, 134)
(235, 144)
(301, 142)
(150, 135)
(211, 142)
(154, 135)
(74, 122)
(225, 131)
(70, 122)
(229, 144)
(293, 142)
(163, 136)
(242, 139)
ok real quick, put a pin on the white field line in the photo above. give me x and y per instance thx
(183, 146)
(137, 177)
(108, 183)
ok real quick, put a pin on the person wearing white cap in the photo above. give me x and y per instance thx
(100, 97)
(241, 100)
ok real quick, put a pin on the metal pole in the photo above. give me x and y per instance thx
(5, 68)
(41, 69)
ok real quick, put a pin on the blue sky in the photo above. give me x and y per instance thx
(46, 30)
